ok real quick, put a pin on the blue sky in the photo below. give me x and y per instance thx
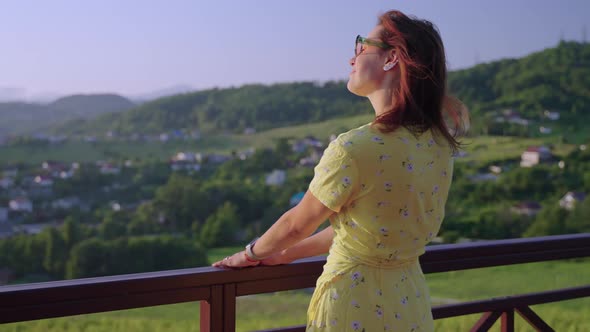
(133, 47)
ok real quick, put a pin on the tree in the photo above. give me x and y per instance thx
(549, 221)
(88, 259)
(56, 253)
(220, 229)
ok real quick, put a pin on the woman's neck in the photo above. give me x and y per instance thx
(382, 101)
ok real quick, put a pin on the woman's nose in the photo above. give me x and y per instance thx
(352, 61)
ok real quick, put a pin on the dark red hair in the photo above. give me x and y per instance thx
(420, 100)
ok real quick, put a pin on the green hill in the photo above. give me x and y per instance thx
(28, 118)
(556, 78)
(89, 106)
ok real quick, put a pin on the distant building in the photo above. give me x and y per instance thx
(3, 215)
(511, 116)
(534, 155)
(184, 156)
(65, 203)
(304, 144)
(181, 165)
(295, 199)
(482, 177)
(312, 159)
(217, 158)
(527, 208)
(249, 131)
(54, 166)
(276, 178)
(545, 130)
(108, 168)
(10, 172)
(551, 115)
(43, 181)
(20, 204)
(32, 228)
(243, 155)
(569, 200)
(6, 183)
(6, 230)
(495, 169)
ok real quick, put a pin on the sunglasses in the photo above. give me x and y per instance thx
(360, 41)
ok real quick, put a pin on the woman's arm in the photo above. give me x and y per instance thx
(292, 227)
(314, 245)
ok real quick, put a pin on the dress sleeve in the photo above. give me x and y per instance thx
(335, 180)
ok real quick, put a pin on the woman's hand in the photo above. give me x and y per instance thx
(235, 261)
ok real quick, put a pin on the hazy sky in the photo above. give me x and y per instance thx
(138, 46)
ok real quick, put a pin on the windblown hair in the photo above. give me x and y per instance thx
(420, 100)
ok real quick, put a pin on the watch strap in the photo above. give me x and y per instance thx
(250, 253)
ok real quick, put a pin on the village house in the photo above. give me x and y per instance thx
(529, 208)
(276, 178)
(43, 181)
(32, 229)
(243, 155)
(10, 172)
(110, 169)
(184, 165)
(42, 185)
(249, 131)
(65, 203)
(6, 182)
(6, 230)
(53, 166)
(570, 199)
(302, 145)
(295, 199)
(3, 215)
(495, 169)
(511, 116)
(482, 177)
(312, 159)
(20, 204)
(217, 158)
(535, 155)
(184, 156)
(553, 116)
(545, 130)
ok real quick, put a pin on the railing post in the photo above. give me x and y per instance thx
(507, 321)
(533, 319)
(218, 313)
(486, 321)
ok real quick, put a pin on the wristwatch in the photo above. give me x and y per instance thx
(249, 251)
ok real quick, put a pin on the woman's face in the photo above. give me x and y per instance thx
(367, 72)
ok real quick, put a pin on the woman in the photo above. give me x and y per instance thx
(383, 186)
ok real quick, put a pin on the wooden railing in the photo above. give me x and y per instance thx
(218, 289)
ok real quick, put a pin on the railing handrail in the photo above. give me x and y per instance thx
(91, 295)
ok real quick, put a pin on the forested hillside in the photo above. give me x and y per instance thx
(556, 78)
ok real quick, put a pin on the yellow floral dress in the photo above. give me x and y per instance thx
(389, 192)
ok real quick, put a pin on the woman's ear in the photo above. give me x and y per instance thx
(391, 61)
(392, 56)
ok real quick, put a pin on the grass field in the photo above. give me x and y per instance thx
(289, 308)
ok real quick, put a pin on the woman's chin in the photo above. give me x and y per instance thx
(353, 89)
